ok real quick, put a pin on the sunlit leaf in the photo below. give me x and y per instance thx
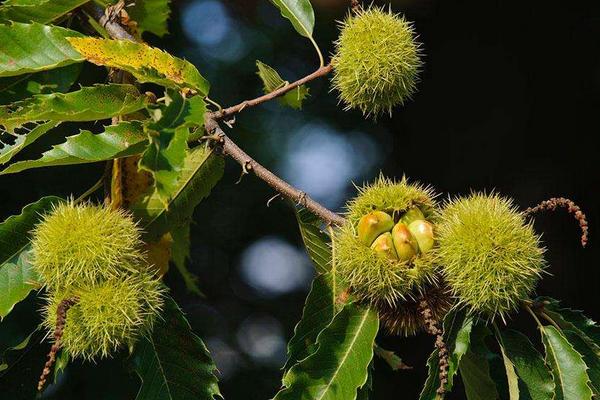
(180, 254)
(300, 13)
(339, 366)
(590, 357)
(87, 104)
(24, 138)
(201, 171)
(568, 368)
(42, 11)
(26, 48)
(147, 64)
(122, 140)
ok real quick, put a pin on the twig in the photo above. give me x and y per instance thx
(555, 202)
(432, 327)
(61, 319)
(226, 112)
(250, 165)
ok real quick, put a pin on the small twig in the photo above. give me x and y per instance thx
(432, 327)
(322, 71)
(61, 320)
(555, 202)
(249, 164)
(272, 199)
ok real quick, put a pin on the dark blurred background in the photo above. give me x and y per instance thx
(508, 101)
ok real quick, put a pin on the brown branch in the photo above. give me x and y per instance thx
(61, 320)
(432, 327)
(250, 165)
(226, 112)
(555, 202)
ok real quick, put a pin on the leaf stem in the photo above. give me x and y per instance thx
(319, 53)
(537, 320)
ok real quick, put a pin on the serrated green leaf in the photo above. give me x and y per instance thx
(457, 331)
(568, 368)
(151, 15)
(511, 375)
(122, 140)
(42, 11)
(573, 320)
(339, 366)
(147, 64)
(391, 358)
(475, 368)
(173, 363)
(180, 254)
(11, 354)
(319, 310)
(26, 48)
(273, 81)
(300, 13)
(364, 392)
(315, 240)
(16, 273)
(87, 104)
(59, 80)
(590, 357)
(24, 139)
(201, 171)
(61, 363)
(530, 366)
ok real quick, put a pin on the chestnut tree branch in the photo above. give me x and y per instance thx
(250, 165)
(117, 31)
(226, 112)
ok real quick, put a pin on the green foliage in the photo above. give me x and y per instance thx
(42, 11)
(86, 104)
(375, 279)
(201, 171)
(475, 367)
(535, 378)
(124, 139)
(108, 315)
(84, 244)
(18, 42)
(16, 273)
(492, 258)
(180, 254)
(339, 366)
(20, 87)
(272, 81)
(173, 363)
(24, 139)
(316, 242)
(145, 63)
(151, 15)
(300, 13)
(319, 310)
(377, 61)
(457, 336)
(568, 368)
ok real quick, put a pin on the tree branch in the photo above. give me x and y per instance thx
(272, 95)
(116, 31)
(250, 165)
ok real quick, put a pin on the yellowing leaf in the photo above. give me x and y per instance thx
(147, 64)
(158, 254)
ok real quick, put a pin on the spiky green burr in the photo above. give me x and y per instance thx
(84, 244)
(376, 61)
(106, 316)
(492, 258)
